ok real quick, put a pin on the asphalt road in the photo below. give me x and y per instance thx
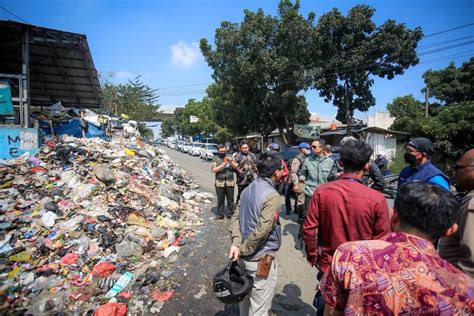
(296, 279)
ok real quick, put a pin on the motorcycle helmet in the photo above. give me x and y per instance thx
(232, 284)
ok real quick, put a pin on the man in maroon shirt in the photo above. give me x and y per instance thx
(344, 210)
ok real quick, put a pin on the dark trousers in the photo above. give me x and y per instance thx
(288, 196)
(222, 193)
(318, 301)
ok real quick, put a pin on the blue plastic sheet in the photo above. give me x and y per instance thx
(73, 128)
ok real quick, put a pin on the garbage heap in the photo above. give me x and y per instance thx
(92, 227)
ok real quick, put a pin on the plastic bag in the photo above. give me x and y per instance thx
(162, 296)
(103, 269)
(49, 219)
(128, 248)
(111, 309)
(69, 259)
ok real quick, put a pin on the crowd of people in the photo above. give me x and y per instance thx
(416, 258)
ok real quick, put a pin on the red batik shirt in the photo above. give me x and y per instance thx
(398, 274)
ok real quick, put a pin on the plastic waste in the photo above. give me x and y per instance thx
(103, 269)
(128, 248)
(134, 219)
(69, 259)
(122, 282)
(49, 219)
(111, 309)
(168, 251)
(162, 296)
(23, 256)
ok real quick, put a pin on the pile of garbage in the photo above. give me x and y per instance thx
(92, 227)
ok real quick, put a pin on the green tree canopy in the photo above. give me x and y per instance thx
(259, 68)
(451, 84)
(351, 50)
(449, 126)
(133, 98)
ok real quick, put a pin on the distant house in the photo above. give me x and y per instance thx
(375, 130)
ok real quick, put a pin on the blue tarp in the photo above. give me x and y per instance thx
(73, 128)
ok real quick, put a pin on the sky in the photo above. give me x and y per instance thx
(159, 39)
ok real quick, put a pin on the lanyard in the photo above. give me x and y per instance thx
(351, 179)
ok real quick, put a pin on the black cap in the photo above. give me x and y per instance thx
(422, 144)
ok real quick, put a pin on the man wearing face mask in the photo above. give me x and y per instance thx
(459, 248)
(224, 181)
(418, 156)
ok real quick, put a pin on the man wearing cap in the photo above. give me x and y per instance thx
(314, 172)
(418, 156)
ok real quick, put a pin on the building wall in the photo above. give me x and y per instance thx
(381, 143)
(380, 119)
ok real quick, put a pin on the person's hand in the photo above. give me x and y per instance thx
(339, 174)
(234, 253)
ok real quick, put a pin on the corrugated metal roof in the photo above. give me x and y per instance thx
(60, 64)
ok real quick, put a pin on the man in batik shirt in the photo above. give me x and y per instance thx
(402, 273)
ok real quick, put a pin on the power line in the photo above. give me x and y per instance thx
(458, 55)
(446, 31)
(445, 42)
(8, 11)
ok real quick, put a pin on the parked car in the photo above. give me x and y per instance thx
(207, 151)
(186, 147)
(180, 145)
(194, 150)
(172, 145)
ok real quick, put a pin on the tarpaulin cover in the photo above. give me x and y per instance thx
(73, 128)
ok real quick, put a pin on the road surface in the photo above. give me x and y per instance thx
(296, 279)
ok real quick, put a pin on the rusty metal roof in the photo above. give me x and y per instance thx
(60, 65)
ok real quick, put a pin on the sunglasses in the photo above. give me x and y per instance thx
(315, 146)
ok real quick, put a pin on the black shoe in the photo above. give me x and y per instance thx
(229, 216)
(288, 212)
(219, 217)
(299, 244)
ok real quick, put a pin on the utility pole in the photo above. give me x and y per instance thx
(427, 96)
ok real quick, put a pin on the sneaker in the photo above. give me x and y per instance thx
(299, 244)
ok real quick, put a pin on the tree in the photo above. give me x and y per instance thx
(167, 128)
(134, 98)
(351, 50)
(451, 84)
(258, 68)
(409, 115)
(222, 135)
(449, 125)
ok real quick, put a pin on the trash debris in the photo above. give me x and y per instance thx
(162, 296)
(93, 227)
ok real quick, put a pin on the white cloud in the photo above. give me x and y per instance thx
(184, 55)
(121, 75)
